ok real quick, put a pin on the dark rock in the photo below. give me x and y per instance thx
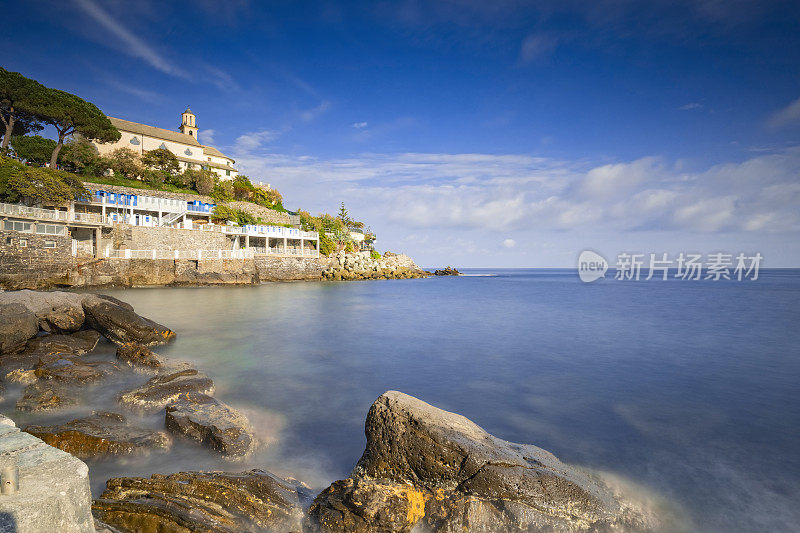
(120, 324)
(447, 271)
(19, 367)
(166, 388)
(429, 468)
(78, 343)
(47, 396)
(136, 356)
(202, 501)
(17, 325)
(71, 369)
(205, 419)
(117, 301)
(101, 434)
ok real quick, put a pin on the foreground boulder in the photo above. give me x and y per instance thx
(166, 388)
(426, 467)
(101, 434)
(71, 369)
(120, 324)
(211, 422)
(56, 311)
(17, 325)
(19, 367)
(202, 501)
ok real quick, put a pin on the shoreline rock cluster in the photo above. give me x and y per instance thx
(447, 271)
(361, 265)
(423, 468)
(44, 337)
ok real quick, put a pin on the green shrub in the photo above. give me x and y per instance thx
(326, 244)
(349, 247)
(374, 254)
(223, 192)
(40, 185)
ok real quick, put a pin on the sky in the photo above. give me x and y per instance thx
(473, 133)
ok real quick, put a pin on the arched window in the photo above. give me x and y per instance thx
(191, 132)
(134, 141)
(163, 146)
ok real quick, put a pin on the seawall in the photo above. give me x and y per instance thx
(157, 272)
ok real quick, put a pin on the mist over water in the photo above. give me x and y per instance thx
(687, 388)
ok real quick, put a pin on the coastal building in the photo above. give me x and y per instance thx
(183, 143)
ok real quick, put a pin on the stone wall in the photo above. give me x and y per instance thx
(288, 268)
(147, 192)
(161, 238)
(33, 266)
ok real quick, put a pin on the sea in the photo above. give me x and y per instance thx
(689, 389)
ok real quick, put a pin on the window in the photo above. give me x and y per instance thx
(163, 146)
(23, 243)
(49, 244)
(9, 240)
(16, 225)
(134, 141)
(50, 229)
(187, 151)
(227, 172)
(209, 159)
(190, 133)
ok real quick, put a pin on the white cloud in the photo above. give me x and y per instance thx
(251, 141)
(311, 114)
(509, 243)
(534, 200)
(787, 116)
(132, 44)
(207, 136)
(359, 125)
(690, 106)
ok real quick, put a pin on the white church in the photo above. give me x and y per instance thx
(183, 143)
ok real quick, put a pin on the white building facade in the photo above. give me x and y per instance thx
(183, 143)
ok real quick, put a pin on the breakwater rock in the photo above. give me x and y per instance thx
(362, 265)
(428, 469)
(447, 271)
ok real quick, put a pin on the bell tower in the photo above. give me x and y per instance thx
(188, 125)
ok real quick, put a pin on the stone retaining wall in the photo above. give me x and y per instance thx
(160, 238)
(288, 268)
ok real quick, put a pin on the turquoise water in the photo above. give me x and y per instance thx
(688, 388)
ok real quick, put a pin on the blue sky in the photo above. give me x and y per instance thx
(468, 132)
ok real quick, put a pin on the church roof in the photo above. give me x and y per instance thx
(164, 135)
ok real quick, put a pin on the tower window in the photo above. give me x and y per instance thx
(191, 133)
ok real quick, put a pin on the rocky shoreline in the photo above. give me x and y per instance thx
(423, 469)
(362, 265)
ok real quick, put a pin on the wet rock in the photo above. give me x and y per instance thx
(138, 356)
(47, 396)
(56, 311)
(71, 369)
(17, 325)
(166, 388)
(78, 343)
(429, 468)
(120, 324)
(117, 301)
(22, 376)
(202, 501)
(19, 366)
(211, 422)
(101, 434)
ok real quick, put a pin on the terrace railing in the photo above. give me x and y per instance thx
(49, 214)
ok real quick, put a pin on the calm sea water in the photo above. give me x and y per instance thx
(688, 388)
